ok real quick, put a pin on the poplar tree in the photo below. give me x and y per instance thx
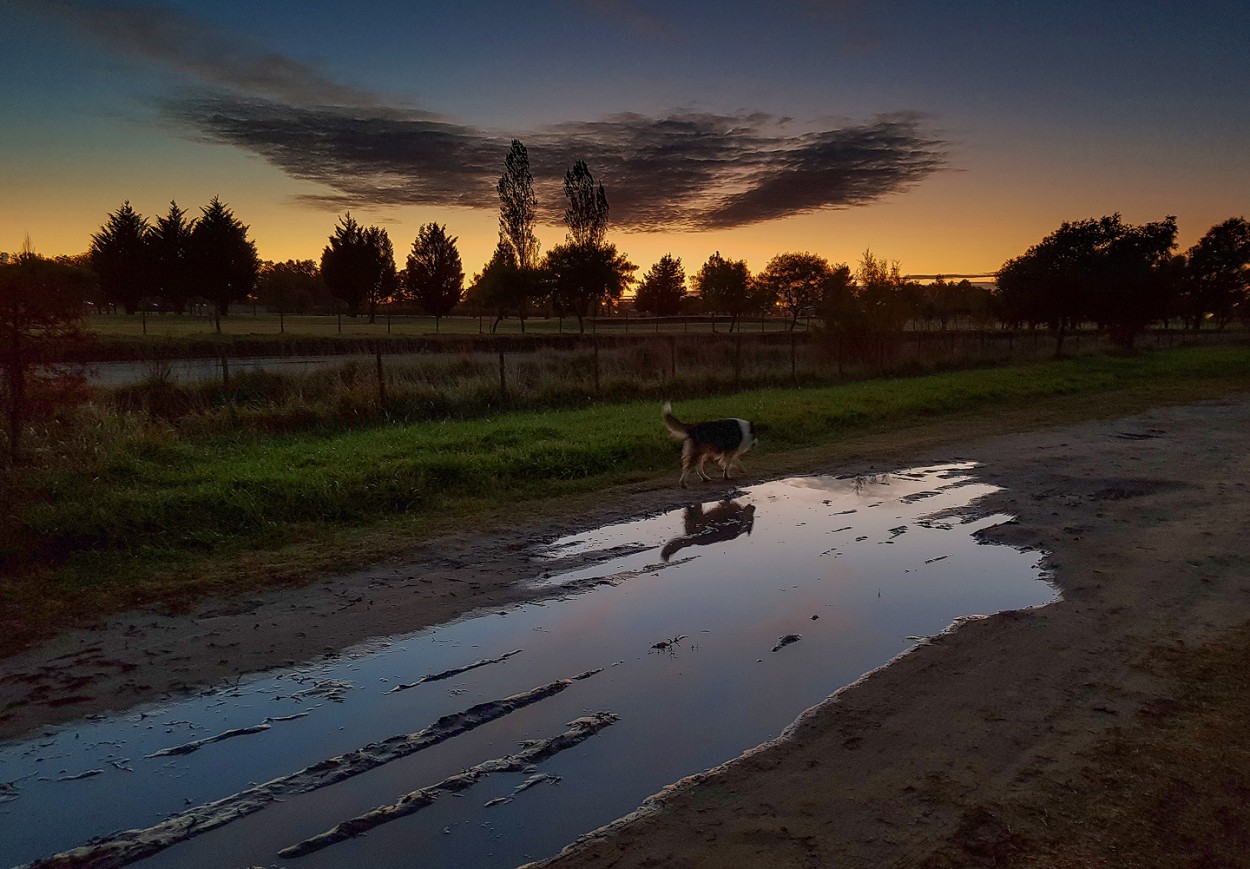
(518, 207)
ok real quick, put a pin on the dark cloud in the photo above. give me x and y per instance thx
(686, 170)
(682, 171)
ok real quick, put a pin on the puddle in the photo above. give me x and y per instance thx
(665, 646)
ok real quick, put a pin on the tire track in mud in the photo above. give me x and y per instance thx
(455, 671)
(131, 845)
(414, 801)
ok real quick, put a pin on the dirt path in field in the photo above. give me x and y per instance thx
(1145, 519)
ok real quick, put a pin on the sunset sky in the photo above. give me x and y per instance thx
(948, 136)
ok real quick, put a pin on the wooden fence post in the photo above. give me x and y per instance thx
(503, 378)
(381, 383)
(596, 344)
(737, 360)
(794, 371)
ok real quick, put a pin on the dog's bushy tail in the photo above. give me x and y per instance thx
(676, 427)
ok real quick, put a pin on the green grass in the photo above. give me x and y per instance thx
(158, 505)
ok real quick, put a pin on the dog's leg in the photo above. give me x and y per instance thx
(687, 461)
(699, 467)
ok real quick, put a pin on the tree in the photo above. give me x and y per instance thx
(881, 291)
(40, 314)
(725, 286)
(169, 245)
(585, 271)
(582, 276)
(867, 312)
(358, 266)
(384, 279)
(222, 258)
(1216, 277)
(518, 207)
(587, 214)
(796, 281)
(294, 286)
(945, 301)
(121, 258)
(433, 275)
(1096, 269)
(505, 288)
(663, 287)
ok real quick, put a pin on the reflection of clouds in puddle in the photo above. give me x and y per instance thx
(866, 508)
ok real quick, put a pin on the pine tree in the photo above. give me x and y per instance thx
(121, 257)
(433, 275)
(222, 258)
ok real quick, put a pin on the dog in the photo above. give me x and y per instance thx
(724, 440)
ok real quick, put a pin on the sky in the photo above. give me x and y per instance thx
(946, 136)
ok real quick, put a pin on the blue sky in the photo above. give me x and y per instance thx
(948, 136)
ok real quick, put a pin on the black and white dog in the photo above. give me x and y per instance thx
(724, 440)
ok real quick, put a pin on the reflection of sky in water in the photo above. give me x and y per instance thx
(876, 560)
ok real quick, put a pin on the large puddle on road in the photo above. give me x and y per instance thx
(666, 645)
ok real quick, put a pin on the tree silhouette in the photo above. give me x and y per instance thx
(384, 281)
(1098, 269)
(169, 245)
(945, 301)
(663, 287)
(358, 265)
(587, 213)
(1216, 278)
(796, 281)
(40, 313)
(582, 276)
(518, 207)
(222, 258)
(294, 286)
(433, 275)
(725, 287)
(121, 258)
(866, 313)
(505, 288)
(586, 271)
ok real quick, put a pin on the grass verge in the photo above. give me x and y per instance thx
(164, 520)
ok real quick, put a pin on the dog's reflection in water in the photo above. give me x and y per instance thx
(725, 521)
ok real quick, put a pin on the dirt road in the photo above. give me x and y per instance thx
(1146, 521)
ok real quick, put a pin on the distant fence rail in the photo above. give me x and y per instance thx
(738, 358)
